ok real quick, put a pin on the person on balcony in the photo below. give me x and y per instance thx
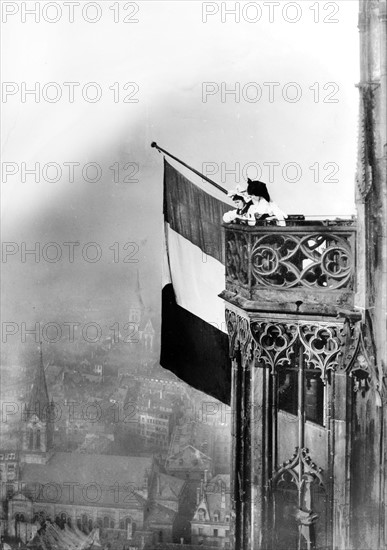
(242, 203)
(263, 207)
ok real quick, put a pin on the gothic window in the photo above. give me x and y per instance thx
(314, 396)
(289, 395)
(288, 390)
(10, 490)
(85, 520)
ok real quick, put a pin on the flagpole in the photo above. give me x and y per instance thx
(154, 144)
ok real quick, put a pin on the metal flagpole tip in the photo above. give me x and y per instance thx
(153, 144)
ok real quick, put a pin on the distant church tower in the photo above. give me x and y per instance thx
(38, 426)
(141, 327)
(136, 305)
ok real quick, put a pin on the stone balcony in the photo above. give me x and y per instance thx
(304, 267)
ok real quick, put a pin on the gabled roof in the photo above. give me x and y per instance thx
(215, 499)
(120, 479)
(169, 487)
(160, 514)
(190, 449)
(217, 482)
(202, 506)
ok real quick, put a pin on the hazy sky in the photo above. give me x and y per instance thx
(294, 117)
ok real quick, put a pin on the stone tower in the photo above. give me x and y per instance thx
(136, 304)
(38, 422)
(305, 312)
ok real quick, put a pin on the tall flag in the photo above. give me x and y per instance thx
(194, 342)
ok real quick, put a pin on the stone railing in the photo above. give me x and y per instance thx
(312, 263)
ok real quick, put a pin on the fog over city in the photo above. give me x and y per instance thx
(170, 54)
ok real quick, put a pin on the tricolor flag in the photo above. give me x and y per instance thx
(194, 342)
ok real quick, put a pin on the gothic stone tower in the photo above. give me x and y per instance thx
(38, 425)
(140, 324)
(305, 311)
(291, 322)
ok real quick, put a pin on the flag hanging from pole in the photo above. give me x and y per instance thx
(194, 342)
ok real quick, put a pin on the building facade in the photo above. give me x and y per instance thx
(210, 525)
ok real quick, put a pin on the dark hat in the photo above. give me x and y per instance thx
(257, 189)
(237, 197)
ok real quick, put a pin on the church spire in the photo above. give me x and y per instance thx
(39, 402)
(138, 292)
(136, 304)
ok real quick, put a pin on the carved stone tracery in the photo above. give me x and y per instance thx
(358, 358)
(326, 346)
(286, 260)
(240, 337)
(275, 342)
(309, 260)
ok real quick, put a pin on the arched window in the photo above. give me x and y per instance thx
(38, 439)
(85, 521)
(129, 528)
(106, 522)
(112, 524)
